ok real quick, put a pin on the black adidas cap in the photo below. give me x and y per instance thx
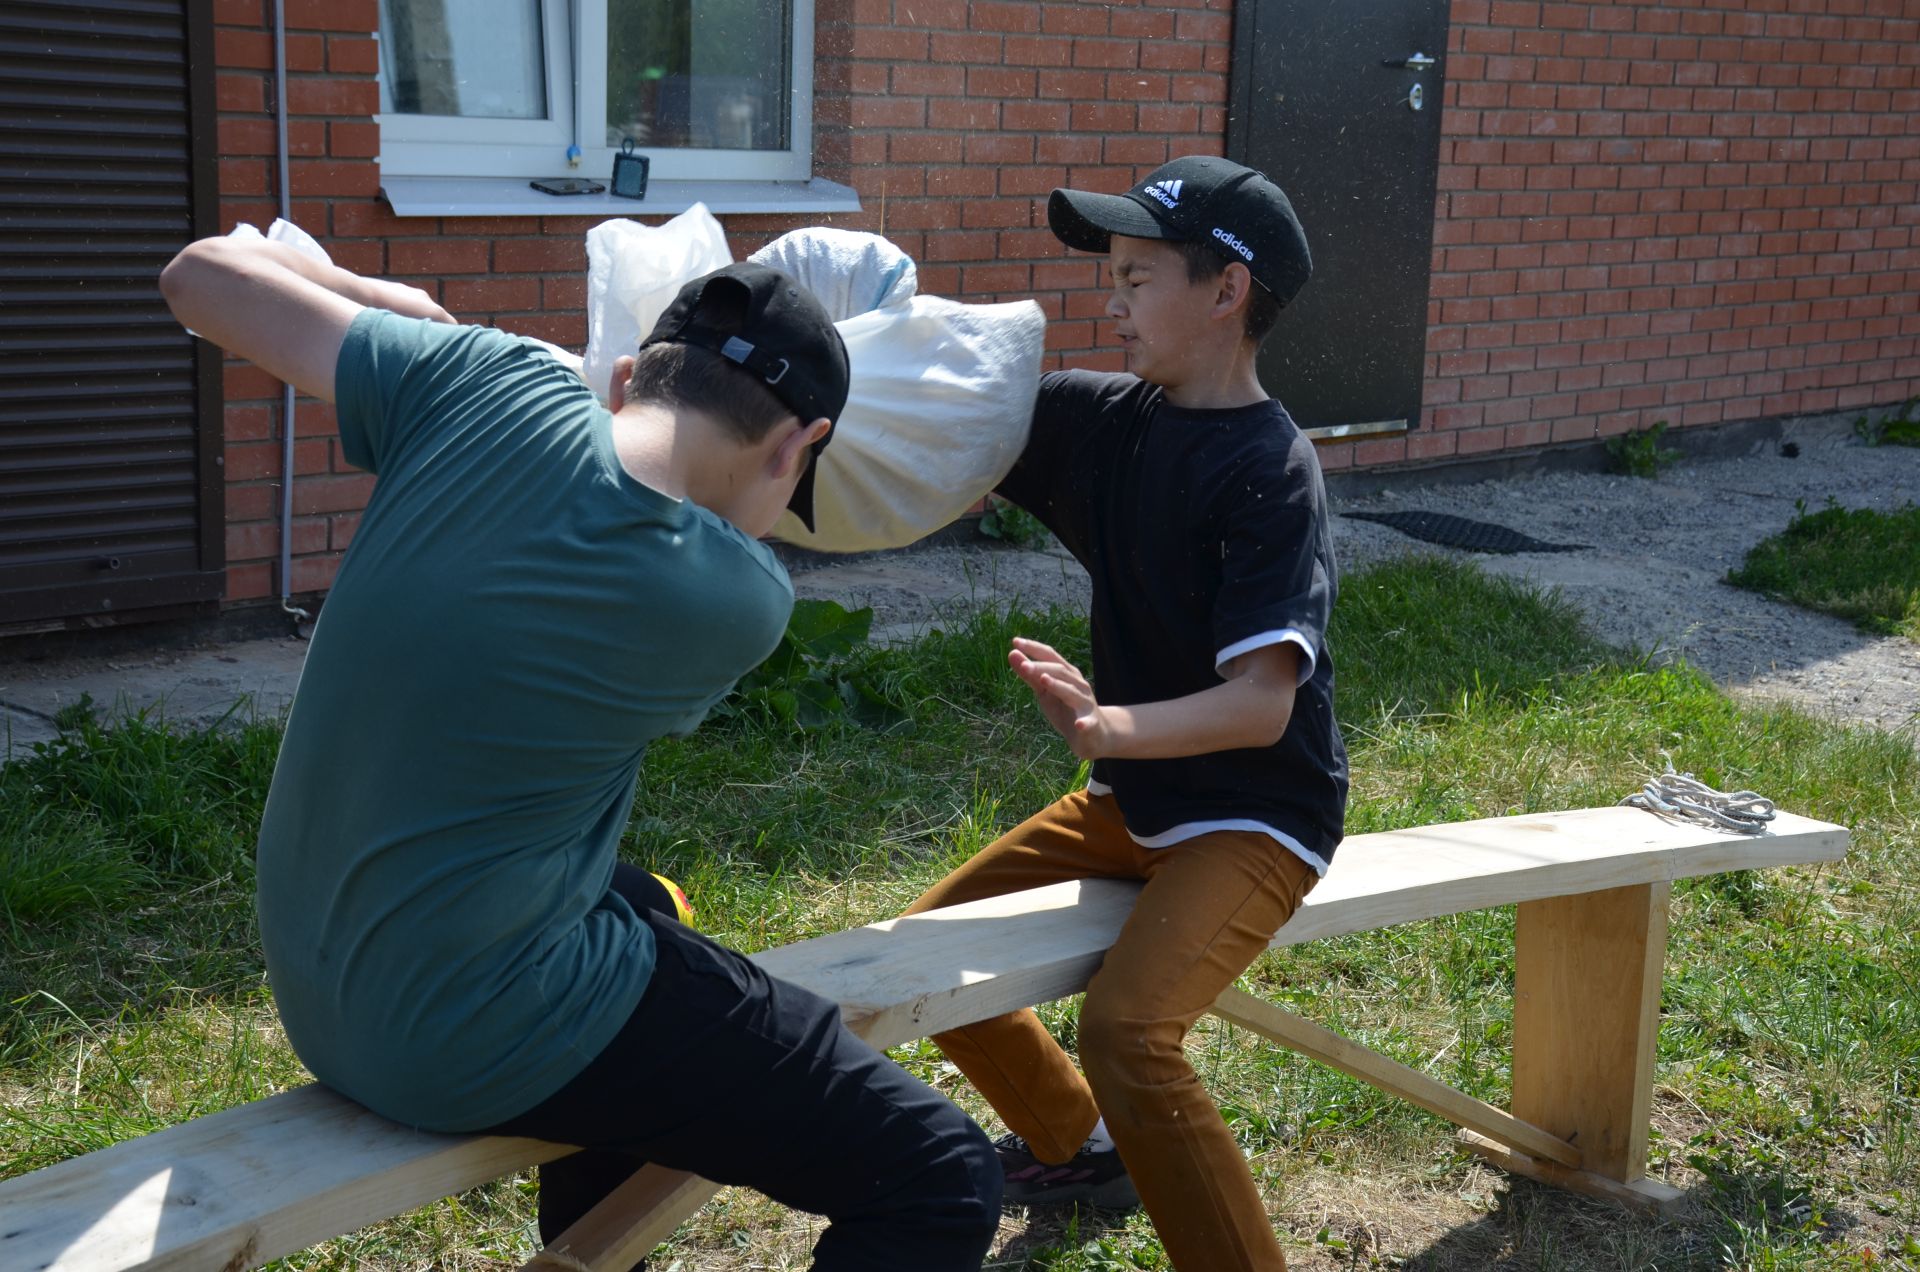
(1198, 198)
(775, 328)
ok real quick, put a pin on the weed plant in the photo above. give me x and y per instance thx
(131, 992)
(1898, 426)
(1012, 524)
(1640, 454)
(1859, 564)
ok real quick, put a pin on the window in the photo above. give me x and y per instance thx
(710, 90)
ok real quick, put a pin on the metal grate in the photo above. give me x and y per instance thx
(1450, 531)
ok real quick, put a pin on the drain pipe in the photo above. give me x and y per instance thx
(286, 401)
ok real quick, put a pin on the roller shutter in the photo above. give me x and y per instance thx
(110, 443)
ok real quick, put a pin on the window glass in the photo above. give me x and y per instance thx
(699, 74)
(476, 59)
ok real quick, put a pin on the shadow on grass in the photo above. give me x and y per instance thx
(1053, 1236)
(1740, 1221)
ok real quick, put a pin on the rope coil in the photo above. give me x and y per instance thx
(1683, 797)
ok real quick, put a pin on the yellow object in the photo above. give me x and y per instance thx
(681, 910)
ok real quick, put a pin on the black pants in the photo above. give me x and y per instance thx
(728, 1073)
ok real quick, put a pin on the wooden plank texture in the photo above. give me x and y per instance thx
(1649, 1196)
(1586, 1001)
(1349, 1057)
(242, 1186)
(256, 1182)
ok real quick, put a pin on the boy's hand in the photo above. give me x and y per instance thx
(1250, 707)
(1064, 695)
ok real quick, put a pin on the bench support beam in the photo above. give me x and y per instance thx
(1349, 1057)
(1648, 1196)
(1586, 1003)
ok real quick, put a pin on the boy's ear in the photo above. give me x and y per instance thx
(796, 441)
(617, 387)
(1233, 287)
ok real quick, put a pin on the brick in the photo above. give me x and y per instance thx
(886, 44)
(359, 16)
(1035, 116)
(492, 295)
(438, 256)
(251, 50)
(331, 96)
(1103, 117)
(240, 93)
(249, 582)
(1075, 19)
(1097, 53)
(346, 493)
(994, 15)
(352, 55)
(1000, 149)
(313, 177)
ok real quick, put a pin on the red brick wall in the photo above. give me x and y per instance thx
(1695, 212)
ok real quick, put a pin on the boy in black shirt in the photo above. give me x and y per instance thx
(1219, 776)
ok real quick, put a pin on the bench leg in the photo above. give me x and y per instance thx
(1585, 1013)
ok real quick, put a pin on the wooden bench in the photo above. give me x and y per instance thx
(240, 1187)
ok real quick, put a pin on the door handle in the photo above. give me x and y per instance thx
(1418, 62)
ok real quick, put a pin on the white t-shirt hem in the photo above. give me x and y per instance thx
(1193, 830)
(1280, 636)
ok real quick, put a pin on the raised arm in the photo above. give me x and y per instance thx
(278, 309)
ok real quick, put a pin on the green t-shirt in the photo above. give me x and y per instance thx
(516, 619)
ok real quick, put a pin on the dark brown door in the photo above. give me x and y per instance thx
(110, 494)
(1323, 101)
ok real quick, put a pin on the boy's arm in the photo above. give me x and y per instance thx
(1250, 708)
(279, 309)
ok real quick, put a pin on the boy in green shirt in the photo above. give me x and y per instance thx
(539, 587)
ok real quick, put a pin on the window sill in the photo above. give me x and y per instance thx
(511, 196)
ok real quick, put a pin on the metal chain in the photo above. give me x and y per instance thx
(1684, 797)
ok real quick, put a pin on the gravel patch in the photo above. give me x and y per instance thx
(1652, 578)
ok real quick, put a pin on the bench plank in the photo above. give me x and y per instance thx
(1380, 879)
(242, 1186)
(263, 1180)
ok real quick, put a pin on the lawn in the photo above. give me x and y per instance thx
(131, 992)
(1859, 564)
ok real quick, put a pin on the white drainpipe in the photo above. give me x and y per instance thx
(287, 396)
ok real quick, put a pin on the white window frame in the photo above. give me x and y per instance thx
(440, 146)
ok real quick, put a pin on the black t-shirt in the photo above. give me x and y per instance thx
(1206, 535)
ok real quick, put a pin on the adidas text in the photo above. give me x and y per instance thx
(1166, 193)
(1233, 243)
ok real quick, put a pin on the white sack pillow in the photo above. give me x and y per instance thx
(940, 406)
(633, 273)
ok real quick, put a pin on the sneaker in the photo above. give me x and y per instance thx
(1090, 1178)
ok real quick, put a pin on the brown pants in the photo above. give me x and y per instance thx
(1210, 906)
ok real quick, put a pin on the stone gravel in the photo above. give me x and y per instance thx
(1652, 579)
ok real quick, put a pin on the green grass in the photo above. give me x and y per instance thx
(1854, 563)
(131, 992)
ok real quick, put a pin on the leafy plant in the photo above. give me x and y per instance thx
(1898, 427)
(1639, 453)
(808, 681)
(1012, 524)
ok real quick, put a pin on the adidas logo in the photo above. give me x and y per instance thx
(1233, 243)
(1164, 192)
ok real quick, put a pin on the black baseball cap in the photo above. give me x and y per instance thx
(773, 327)
(1199, 198)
